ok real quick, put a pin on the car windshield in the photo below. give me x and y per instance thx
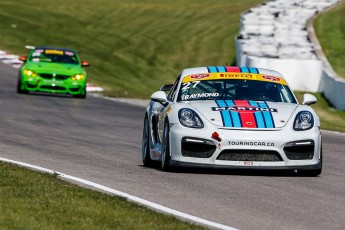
(54, 56)
(235, 89)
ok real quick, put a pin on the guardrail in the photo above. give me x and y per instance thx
(274, 35)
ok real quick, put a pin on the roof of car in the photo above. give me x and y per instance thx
(229, 69)
(54, 48)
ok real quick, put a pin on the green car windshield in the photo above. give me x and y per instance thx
(54, 56)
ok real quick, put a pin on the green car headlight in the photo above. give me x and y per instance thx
(30, 73)
(78, 77)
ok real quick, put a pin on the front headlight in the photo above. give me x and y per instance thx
(78, 77)
(189, 118)
(30, 73)
(303, 121)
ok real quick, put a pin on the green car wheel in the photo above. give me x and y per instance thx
(19, 88)
(82, 95)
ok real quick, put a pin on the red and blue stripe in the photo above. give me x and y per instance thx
(235, 69)
(243, 118)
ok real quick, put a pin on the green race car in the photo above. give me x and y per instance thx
(52, 70)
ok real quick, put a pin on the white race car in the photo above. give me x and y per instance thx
(232, 117)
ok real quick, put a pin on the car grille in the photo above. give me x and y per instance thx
(300, 150)
(57, 77)
(52, 87)
(61, 77)
(249, 155)
(46, 76)
(199, 148)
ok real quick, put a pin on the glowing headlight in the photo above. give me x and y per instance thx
(78, 77)
(189, 118)
(30, 73)
(303, 121)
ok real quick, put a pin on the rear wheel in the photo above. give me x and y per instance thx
(147, 161)
(165, 157)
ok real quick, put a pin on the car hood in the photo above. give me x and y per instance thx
(50, 68)
(244, 113)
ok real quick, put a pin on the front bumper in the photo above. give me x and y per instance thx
(67, 86)
(264, 149)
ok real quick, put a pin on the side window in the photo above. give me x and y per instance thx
(172, 92)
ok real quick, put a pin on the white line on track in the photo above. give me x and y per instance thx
(129, 197)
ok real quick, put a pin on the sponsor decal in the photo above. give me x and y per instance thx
(245, 114)
(58, 52)
(251, 143)
(271, 78)
(187, 85)
(199, 95)
(229, 75)
(199, 76)
(243, 108)
(248, 163)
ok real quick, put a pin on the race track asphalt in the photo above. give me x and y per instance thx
(100, 140)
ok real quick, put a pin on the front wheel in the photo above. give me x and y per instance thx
(165, 156)
(81, 95)
(147, 161)
(19, 88)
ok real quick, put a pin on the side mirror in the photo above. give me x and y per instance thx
(309, 99)
(166, 87)
(160, 97)
(85, 64)
(23, 58)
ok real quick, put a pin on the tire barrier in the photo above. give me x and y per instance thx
(274, 35)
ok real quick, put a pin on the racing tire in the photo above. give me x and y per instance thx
(19, 90)
(312, 172)
(147, 161)
(81, 95)
(165, 156)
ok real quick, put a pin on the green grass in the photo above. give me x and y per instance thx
(32, 200)
(330, 30)
(134, 46)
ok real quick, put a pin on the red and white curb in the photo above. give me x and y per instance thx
(93, 88)
(13, 60)
(127, 196)
(10, 59)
